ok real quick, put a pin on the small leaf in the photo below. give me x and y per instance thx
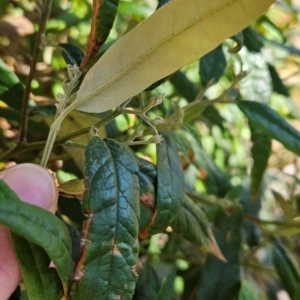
(271, 123)
(212, 65)
(170, 186)
(221, 280)
(73, 188)
(106, 268)
(249, 291)
(105, 87)
(278, 85)
(192, 224)
(11, 89)
(42, 110)
(261, 151)
(167, 289)
(252, 40)
(148, 284)
(41, 281)
(42, 228)
(286, 267)
(72, 54)
(187, 89)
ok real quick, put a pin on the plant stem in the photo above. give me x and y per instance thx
(45, 12)
(19, 148)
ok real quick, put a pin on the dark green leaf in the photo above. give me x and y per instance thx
(192, 224)
(252, 40)
(162, 3)
(278, 85)
(167, 289)
(43, 110)
(261, 151)
(188, 90)
(214, 179)
(72, 54)
(194, 133)
(221, 280)
(270, 122)
(39, 227)
(11, 89)
(147, 285)
(107, 12)
(41, 281)
(170, 186)
(289, 49)
(212, 65)
(286, 267)
(106, 268)
(249, 291)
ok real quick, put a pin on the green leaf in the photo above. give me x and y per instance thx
(278, 85)
(107, 11)
(188, 90)
(256, 86)
(170, 186)
(72, 54)
(252, 40)
(148, 284)
(249, 291)
(104, 87)
(286, 267)
(192, 224)
(42, 110)
(41, 281)
(261, 151)
(167, 289)
(215, 180)
(221, 280)
(11, 89)
(38, 226)
(212, 65)
(106, 268)
(147, 183)
(270, 122)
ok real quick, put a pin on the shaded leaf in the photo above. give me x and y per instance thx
(249, 291)
(270, 122)
(11, 89)
(286, 267)
(192, 224)
(42, 110)
(252, 40)
(72, 54)
(261, 151)
(277, 83)
(189, 91)
(147, 285)
(221, 280)
(42, 228)
(41, 281)
(109, 255)
(212, 65)
(167, 289)
(105, 87)
(170, 186)
(162, 3)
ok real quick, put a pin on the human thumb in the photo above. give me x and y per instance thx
(33, 184)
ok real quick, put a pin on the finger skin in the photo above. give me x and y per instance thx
(33, 184)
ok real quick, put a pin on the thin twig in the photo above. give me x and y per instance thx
(45, 12)
(19, 148)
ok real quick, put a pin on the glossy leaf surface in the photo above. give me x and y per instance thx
(106, 268)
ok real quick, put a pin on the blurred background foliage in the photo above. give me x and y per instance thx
(216, 147)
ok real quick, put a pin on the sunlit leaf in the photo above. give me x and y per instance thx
(144, 57)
